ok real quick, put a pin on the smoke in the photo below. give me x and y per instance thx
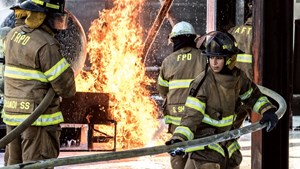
(4, 8)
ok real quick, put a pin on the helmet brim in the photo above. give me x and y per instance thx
(204, 53)
(28, 5)
(15, 7)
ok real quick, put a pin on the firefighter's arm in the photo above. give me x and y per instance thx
(193, 116)
(57, 70)
(162, 86)
(256, 100)
(162, 83)
(260, 104)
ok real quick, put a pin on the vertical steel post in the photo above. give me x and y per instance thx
(273, 59)
(211, 16)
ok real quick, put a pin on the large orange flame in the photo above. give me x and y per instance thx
(114, 46)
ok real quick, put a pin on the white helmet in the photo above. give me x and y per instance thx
(182, 28)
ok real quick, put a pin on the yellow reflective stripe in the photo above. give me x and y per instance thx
(244, 58)
(53, 6)
(196, 104)
(193, 148)
(43, 120)
(49, 5)
(232, 148)
(225, 121)
(184, 131)
(172, 120)
(217, 148)
(162, 82)
(247, 94)
(259, 103)
(57, 69)
(24, 74)
(39, 2)
(183, 83)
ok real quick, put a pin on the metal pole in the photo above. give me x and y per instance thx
(169, 16)
(155, 27)
(211, 15)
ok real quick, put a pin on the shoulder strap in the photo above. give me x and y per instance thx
(194, 91)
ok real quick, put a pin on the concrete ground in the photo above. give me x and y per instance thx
(161, 161)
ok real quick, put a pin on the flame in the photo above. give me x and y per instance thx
(115, 43)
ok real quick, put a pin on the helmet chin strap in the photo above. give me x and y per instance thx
(231, 61)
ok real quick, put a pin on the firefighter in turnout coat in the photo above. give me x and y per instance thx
(211, 106)
(243, 36)
(33, 64)
(177, 71)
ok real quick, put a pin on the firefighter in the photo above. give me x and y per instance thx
(243, 36)
(19, 17)
(177, 71)
(33, 65)
(214, 97)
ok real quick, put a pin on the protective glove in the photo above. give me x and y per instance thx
(271, 118)
(177, 151)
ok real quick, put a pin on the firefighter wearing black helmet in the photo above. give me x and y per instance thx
(210, 109)
(33, 64)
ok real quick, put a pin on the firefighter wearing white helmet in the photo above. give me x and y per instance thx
(182, 28)
(33, 65)
(177, 71)
(213, 102)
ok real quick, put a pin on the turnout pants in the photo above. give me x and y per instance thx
(35, 143)
(178, 162)
(198, 165)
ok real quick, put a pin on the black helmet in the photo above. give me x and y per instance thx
(218, 43)
(51, 6)
(17, 5)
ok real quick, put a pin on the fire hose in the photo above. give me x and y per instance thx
(28, 121)
(157, 149)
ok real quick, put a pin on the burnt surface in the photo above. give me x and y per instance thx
(86, 108)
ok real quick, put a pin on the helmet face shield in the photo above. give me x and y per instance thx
(58, 21)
